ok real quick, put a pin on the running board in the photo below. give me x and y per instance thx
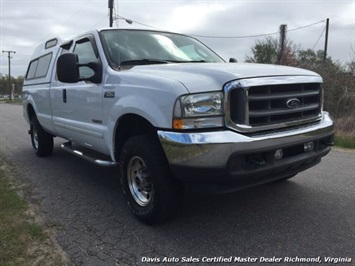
(89, 157)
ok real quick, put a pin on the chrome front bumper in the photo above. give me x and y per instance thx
(219, 150)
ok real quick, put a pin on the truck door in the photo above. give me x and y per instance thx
(77, 108)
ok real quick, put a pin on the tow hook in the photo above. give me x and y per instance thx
(257, 161)
(328, 143)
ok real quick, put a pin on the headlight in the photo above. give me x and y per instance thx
(199, 111)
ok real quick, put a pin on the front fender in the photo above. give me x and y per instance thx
(149, 96)
(159, 115)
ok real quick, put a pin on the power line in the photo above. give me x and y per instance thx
(215, 37)
(219, 37)
(253, 36)
(320, 36)
(309, 25)
(228, 37)
(139, 23)
(232, 37)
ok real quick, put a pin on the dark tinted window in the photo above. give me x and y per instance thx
(39, 67)
(32, 69)
(43, 66)
(86, 54)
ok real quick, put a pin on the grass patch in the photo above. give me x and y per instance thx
(15, 101)
(13, 232)
(345, 132)
(344, 141)
(23, 240)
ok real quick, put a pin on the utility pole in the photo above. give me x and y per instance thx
(110, 6)
(283, 28)
(326, 41)
(9, 80)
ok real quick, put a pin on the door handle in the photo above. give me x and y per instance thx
(64, 95)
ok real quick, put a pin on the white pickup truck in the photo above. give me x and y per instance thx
(171, 113)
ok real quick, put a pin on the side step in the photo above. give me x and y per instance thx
(91, 157)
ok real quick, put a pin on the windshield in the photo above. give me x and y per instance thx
(133, 47)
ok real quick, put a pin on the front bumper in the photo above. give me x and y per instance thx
(239, 160)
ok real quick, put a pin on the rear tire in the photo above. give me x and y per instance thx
(151, 192)
(42, 142)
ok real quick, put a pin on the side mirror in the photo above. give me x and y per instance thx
(233, 60)
(96, 66)
(68, 69)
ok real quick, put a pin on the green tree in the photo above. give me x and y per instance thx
(267, 51)
(18, 82)
(264, 52)
(3, 84)
(314, 60)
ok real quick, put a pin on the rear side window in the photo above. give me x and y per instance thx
(39, 67)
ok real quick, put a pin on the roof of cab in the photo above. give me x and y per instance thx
(46, 47)
(54, 43)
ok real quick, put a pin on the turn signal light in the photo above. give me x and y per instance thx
(178, 124)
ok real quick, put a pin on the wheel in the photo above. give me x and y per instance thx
(151, 192)
(42, 142)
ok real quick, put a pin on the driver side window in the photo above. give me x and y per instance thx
(86, 54)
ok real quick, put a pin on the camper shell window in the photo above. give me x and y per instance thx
(38, 68)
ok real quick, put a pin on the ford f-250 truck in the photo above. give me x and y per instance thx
(171, 113)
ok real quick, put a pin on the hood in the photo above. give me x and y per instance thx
(201, 77)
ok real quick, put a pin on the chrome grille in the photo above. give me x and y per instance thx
(254, 107)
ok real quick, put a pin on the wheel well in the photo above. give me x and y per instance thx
(128, 126)
(30, 112)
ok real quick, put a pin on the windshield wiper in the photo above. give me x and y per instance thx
(191, 61)
(144, 61)
(147, 61)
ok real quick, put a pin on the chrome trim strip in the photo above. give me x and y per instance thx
(277, 80)
(67, 147)
(213, 149)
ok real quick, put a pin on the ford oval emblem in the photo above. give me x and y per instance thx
(293, 103)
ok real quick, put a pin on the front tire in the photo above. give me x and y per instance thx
(42, 142)
(151, 192)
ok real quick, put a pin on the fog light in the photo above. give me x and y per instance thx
(279, 154)
(308, 146)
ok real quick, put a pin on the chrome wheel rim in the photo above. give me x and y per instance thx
(139, 182)
(35, 137)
